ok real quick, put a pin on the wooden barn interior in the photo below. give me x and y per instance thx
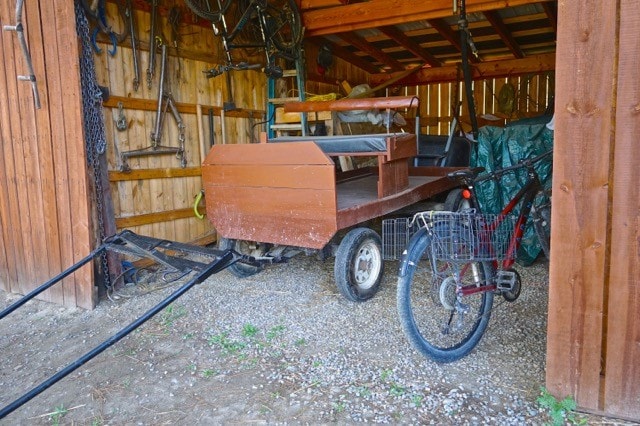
(576, 59)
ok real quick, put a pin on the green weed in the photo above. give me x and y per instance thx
(207, 373)
(249, 330)
(560, 412)
(396, 390)
(385, 375)
(171, 314)
(57, 415)
(228, 345)
(275, 332)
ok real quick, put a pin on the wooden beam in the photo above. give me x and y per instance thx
(314, 4)
(143, 174)
(371, 50)
(399, 37)
(622, 369)
(148, 218)
(481, 71)
(352, 104)
(379, 13)
(551, 11)
(585, 128)
(503, 32)
(183, 108)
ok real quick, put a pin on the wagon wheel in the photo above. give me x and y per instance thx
(242, 270)
(359, 266)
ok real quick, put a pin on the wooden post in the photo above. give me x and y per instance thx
(622, 362)
(594, 321)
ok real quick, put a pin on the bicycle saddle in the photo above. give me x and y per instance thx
(465, 173)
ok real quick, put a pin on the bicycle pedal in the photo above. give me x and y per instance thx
(506, 280)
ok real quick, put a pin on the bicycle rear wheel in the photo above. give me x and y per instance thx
(541, 215)
(438, 323)
(209, 9)
(284, 25)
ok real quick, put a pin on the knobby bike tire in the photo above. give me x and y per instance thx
(208, 9)
(425, 299)
(284, 25)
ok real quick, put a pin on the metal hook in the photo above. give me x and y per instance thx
(121, 122)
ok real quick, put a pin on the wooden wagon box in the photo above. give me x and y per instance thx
(288, 191)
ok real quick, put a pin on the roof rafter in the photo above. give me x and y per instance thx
(500, 28)
(378, 13)
(552, 14)
(413, 47)
(450, 35)
(346, 55)
(371, 50)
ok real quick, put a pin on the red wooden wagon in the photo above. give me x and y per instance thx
(285, 195)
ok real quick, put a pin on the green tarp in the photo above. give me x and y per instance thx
(499, 147)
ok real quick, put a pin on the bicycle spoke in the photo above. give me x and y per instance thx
(438, 319)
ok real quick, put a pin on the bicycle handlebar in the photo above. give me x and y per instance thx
(527, 162)
(221, 69)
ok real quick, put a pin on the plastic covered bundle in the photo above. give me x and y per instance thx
(499, 147)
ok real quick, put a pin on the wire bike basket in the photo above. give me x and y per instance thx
(469, 236)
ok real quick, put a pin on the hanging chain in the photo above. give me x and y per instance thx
(93, 120)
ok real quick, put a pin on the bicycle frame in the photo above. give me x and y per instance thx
(524, 196)
(228, 37)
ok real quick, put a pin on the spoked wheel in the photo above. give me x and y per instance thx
(440, 323)
(208, 9)
(284, 25)
(242, 270)
(541, 214)
(359, 265)
(456, 202)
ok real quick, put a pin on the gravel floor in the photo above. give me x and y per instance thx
(281, 347)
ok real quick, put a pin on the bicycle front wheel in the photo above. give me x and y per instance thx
(208, 9)
(284, 25)
(438, 322)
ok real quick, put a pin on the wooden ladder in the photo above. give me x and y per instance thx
(274, 101)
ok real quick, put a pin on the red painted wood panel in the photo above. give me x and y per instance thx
(289, 216)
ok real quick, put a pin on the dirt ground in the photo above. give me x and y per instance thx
(280, 347)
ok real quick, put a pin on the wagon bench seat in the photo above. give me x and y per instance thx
(392, 150)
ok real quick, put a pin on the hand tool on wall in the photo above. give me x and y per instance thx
(121, 121)
(97, 11)
(165, 102)
(134, 44)
(152, 43)
(19, 29)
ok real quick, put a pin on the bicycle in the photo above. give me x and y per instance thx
(458, 260)
(270, 25)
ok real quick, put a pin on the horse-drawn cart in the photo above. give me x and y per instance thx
(285, 195)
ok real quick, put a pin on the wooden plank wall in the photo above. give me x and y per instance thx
(594, 307)
(45, 223)
(533, 93)
(156, 198)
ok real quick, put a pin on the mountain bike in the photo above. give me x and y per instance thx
(458, 260)
(273, 26)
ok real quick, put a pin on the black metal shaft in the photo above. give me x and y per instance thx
(466, 70)
(225, 260)
(52, 281)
